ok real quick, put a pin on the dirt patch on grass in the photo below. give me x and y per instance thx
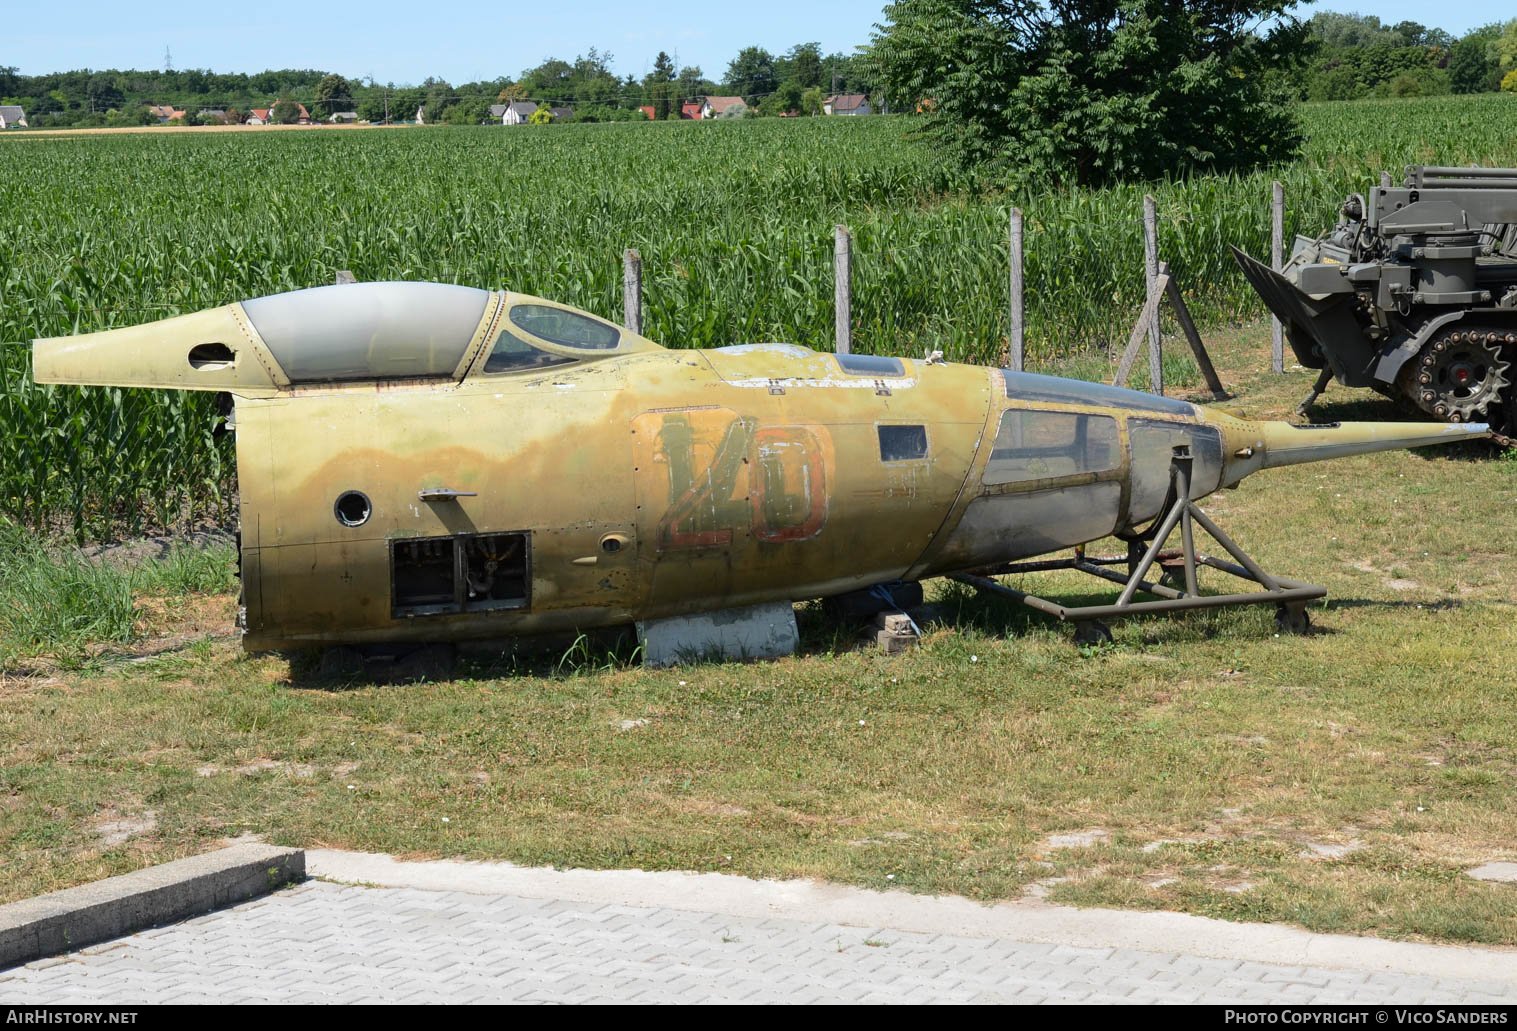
(114, 829)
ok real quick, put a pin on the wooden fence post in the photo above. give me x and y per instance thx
(1015, 332)
(1151, 268)
(842, 264)
(1276, 260)
(632, 291)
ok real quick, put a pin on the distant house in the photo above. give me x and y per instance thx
(162, 112)
(517, 112)
(497, 112)
(561, 114)
(343, 116)
(719, 107)
(260, 116)
(691, 109)
(650, 111)
(212, 112)
(12, 117)
(846, 104)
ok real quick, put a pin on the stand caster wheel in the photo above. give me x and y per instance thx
(343, 662)
(1089, 632)
(430, 662)
(1292, 619)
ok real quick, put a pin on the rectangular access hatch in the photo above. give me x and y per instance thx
(472, 572)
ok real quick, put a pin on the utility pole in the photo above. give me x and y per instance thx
(168, 59)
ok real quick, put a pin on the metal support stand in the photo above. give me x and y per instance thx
(1289, 596)
(1317, 390)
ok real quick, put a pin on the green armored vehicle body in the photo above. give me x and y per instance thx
(1413, 293)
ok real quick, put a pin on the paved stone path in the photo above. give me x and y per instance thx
(328, 942)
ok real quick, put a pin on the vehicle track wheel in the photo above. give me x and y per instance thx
(1462, 374)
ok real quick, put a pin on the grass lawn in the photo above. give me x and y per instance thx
(1343, 781)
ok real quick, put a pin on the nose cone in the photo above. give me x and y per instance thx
(208, 350)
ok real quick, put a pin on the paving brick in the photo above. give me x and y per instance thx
(338, 943)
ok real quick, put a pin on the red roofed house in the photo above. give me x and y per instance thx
(261, 115)
(690, 110)
(718, 107)
(650, 111)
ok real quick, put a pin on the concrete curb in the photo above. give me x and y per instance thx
(819, 902)
(62, 921)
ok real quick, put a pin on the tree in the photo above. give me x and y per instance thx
(692, 84)
(440, 97)
(333, 94)
(660, 85)
(542, 116)
(468, 111)
(284, 112)
(751, 74)
(1505, 49)
(1089, 92)
(806, 64)
(1470, 69)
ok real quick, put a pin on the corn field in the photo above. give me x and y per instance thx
(733, 220)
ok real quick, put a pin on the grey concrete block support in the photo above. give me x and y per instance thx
(751, 632)
(62, 921)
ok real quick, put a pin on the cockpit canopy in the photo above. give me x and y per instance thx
(351, 333)
(369, 330)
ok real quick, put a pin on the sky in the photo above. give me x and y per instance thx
(461, 41)
(469, 40)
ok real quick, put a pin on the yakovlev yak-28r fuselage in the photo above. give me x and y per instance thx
(423, 462)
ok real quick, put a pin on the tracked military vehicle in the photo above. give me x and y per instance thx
(1413, 293)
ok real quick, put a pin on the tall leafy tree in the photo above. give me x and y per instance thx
(1473, 64)
(802, 64)
(751, 74)
(660, 85)
(1093, 91)
(333, 94)
(691, 83)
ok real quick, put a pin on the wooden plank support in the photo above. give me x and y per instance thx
(1151, 276)
(1149, 316)
(1188, 327)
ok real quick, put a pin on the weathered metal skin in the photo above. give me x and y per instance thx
(633, 482)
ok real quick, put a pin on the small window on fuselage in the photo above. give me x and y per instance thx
(566, 328)
(1033, 445)
(902, 443)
